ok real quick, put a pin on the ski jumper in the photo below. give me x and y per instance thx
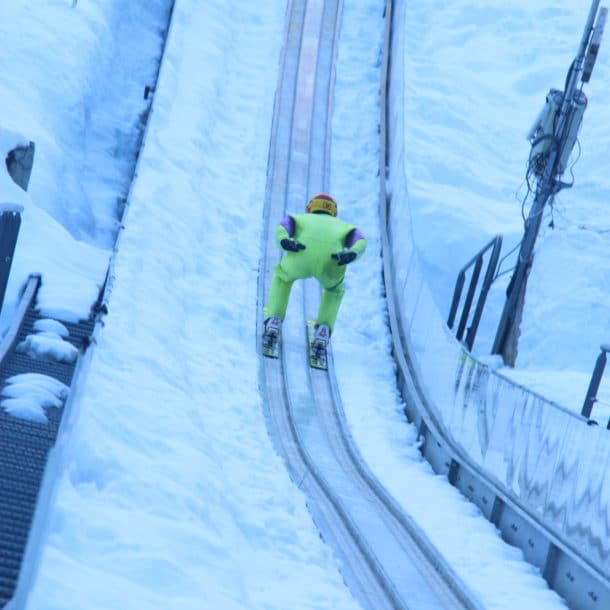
(322, 235)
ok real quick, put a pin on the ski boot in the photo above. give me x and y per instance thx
(271, 337)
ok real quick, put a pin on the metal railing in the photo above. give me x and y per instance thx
(537, 471)
(495, 245)
(10, 221)
(596, 377)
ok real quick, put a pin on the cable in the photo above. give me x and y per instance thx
(501, 273)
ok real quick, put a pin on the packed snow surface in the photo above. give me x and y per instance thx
(169, 491)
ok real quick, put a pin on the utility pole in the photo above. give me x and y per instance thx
(552, 136)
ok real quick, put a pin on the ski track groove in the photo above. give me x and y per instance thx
(302, 405)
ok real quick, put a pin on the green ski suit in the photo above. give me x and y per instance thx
(322, 235)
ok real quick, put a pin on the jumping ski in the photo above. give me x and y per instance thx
(271, 337)
(317, 340)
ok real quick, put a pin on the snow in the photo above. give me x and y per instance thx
(490, 70)
(29, 395)
(48, 345)
(169, 492)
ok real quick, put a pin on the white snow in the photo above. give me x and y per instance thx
(477, 78)
(169, 491)
(48, 345)
(29, 395)
(48, 325)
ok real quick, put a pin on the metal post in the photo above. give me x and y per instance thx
(457, 293)
(10, 221)
(516, 289)
(474, 280)
(505, 342)
(487, 281)
(596, 378)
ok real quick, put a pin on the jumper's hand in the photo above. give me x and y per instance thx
(344, 258)
(290, 245)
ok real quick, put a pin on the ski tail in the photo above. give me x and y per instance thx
(318, 357)
(271, 338)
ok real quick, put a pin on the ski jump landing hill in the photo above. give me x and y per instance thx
(537, 471)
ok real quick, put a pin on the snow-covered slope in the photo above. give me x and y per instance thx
(170, 494)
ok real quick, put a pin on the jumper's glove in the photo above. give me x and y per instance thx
(344, 258)
(290, 245)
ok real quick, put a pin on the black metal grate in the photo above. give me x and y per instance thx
(25, 446)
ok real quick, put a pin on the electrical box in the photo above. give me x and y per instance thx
(544, 132)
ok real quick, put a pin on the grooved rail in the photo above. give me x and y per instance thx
(386, 560)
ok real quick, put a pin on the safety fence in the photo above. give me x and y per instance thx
(543, 462)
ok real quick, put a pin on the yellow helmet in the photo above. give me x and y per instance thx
(322, 203)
